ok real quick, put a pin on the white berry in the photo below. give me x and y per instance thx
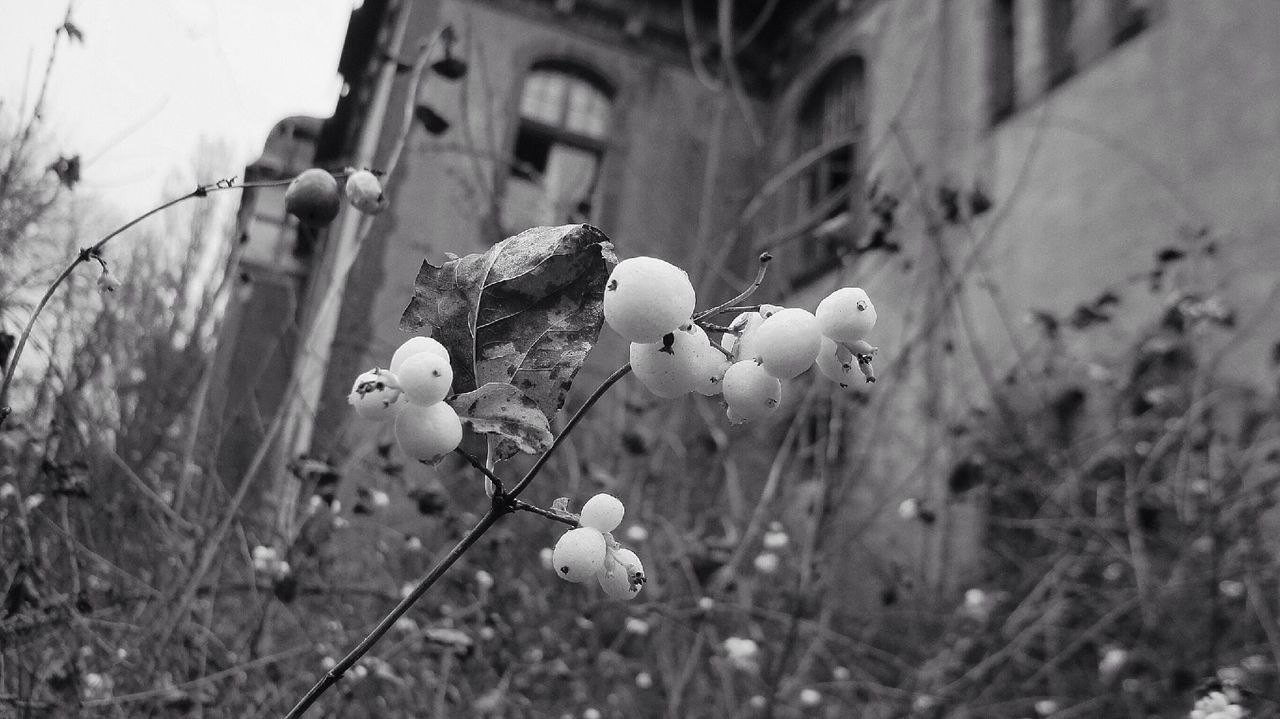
(622, 575)
(364, 192)
(603, 512)
(579, 554)
(836, 363)
(413, 346)
(375, 395)
(766, 562)
(751, 392)
(788, 342)
(428, 432)
(668, 367)
(846, 315)
(645, 298)
(709, 367)
(425, 378)
(740, 341)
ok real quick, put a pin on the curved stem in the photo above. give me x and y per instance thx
(332, 676)
(94, 252)
(611, 380)
(765, 258)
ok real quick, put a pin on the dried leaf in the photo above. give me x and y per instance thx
(526, 312)
(498, 408)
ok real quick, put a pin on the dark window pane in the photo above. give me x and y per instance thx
(1002, 66)
(1059, 26)
(532, 150)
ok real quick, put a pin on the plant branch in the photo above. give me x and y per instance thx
(94, 252)
(520, 505)
(332, 676)
(611, 380)
(498, 486)
(765, 258)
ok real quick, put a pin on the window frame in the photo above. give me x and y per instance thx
(560, 134)
(845, 77)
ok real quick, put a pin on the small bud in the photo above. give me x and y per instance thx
(107, 282)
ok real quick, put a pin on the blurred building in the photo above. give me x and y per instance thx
(967, 161)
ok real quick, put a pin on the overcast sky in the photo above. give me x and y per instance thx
(153, 76)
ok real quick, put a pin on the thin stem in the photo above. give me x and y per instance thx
(523, 506)
(710, 327)
(499, 488)
(94, 252)
(611, 380)
(765, 257)
(740, 308)
(332, 676)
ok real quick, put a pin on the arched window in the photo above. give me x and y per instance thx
(559, 145)
(828, 125)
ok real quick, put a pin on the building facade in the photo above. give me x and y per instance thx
(967, 161)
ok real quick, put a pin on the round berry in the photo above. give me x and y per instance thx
(788, 342)
(846, 315)
(425, 378)
(709, 367)
(603, 512)
(413, 346)
(622, 575)
(428, 432)
(810, 697)
(836, 363)
(740, 340)
(766, 562)
(364, 192)
(751, 392)
(312, 197)
(668, 367)
(646, 298)
(579, 554)
(375, 395)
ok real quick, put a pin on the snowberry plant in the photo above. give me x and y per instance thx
(498, 337)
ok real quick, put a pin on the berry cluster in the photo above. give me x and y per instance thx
(313, 197)
(591, 551)
(650, 302)
(412, 391)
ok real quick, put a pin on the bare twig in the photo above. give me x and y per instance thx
(609, 381)
(332, 676)
(765, 258)
(94, 252)
(523, 506)
(498, 486)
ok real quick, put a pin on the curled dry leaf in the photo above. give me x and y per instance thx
(524, 313)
